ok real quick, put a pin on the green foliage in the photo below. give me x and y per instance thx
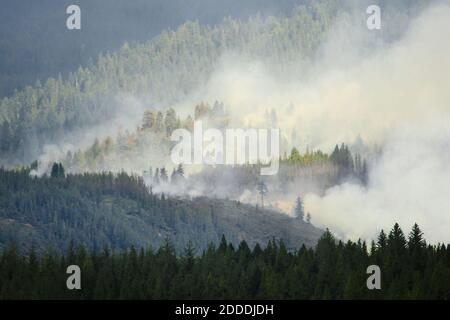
(161, 71)
(333, 270)
(262, 190)
(34, 43)
(57, 171)
(299, 211)
(118, 211)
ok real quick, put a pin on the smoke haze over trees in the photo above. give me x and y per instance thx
(363, 118)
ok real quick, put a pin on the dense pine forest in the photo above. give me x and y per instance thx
(108, 24)
(410, 269)
(354, 92)
(119, 210)
(163, 71)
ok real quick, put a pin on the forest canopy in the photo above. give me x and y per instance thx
(411, 269)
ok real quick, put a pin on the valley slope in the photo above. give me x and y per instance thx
(103, 210)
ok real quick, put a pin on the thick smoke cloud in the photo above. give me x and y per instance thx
(409, 184)
(127, 112)
(335, 99)
(404, 101)
(392, 94)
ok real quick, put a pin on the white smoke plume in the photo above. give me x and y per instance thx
(392, 94)
(409, 184)
(403, 99)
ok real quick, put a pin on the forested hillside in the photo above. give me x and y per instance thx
(159, 72)
(162, 71)
(146, 151)
(411, 269)
(94, 172)
(119, 211)
(106, 25)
